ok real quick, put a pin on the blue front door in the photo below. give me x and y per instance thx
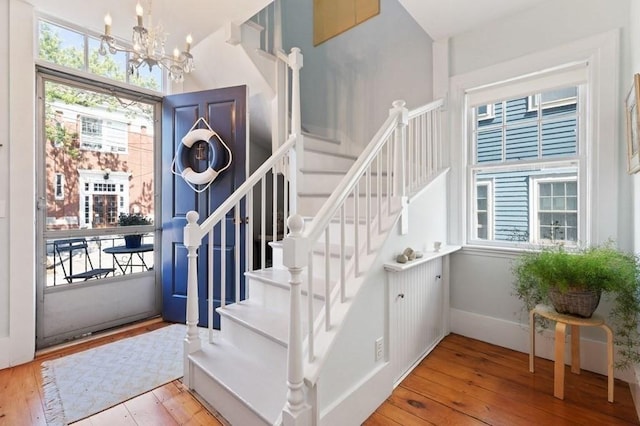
(225, 110)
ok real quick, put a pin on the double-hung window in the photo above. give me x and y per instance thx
(526, 161)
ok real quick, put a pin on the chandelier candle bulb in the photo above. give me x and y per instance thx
(139, 12)
(189, 41)
(176, 54)
(107, 24)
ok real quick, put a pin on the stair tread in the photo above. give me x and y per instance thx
(268, 322)
(262, 387)
(280, 278)
(331, 154)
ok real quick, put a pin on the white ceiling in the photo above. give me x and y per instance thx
(446, 18)
(179, 18)
(439, 18)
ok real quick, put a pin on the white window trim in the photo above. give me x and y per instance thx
(534, 193)
(601, 52)
(489, 114)
(489, 184)
(59, 196)
(531, 106)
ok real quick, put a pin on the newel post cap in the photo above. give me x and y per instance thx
(192, 230)
(294, 246)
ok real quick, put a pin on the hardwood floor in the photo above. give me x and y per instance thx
(462, 382)
(468, 382)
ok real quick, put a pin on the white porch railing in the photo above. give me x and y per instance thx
(394, 164)
(254, 188)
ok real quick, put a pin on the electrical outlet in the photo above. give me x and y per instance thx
(379, 348)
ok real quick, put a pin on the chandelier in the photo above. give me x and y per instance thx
(148, 47)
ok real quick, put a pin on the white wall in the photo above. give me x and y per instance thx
(349, 82)
(481, 286)
(4, 169)
(351, 369)
(17, 133)
(634, 60)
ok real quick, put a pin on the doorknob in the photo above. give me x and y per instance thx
(242, 220)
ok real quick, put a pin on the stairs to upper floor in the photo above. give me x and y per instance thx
(276, 358)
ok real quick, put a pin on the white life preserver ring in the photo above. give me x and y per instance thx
(182, 159)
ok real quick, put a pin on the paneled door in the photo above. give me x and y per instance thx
(225, 112)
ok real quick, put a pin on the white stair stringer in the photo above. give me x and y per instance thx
(238, 384)
(324, 338)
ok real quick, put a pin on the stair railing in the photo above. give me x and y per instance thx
(239, 207)
(395, 163)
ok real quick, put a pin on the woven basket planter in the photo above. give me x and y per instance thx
(581, 303)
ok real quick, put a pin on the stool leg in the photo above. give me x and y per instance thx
(558, 373)
(575, 349)
(532, 340)
(609, 361)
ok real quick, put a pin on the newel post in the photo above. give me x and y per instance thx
(192, 240)
(296, 158)
(400, 154)
(295, 256)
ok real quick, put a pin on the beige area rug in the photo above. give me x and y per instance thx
(82, 384)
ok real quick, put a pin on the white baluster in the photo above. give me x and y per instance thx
(400, 172)
(343, 254)
(296, 411)
(210, 282)
(236, 249)
(327, 280)
(192, 239)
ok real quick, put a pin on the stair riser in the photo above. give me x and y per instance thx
(231, 408)
(249, 341)
(276, 297)
(324, 183)
(320, 182)
(318, 264)
(349, 232)
(319, 267)
(310, 205)
(322, 160)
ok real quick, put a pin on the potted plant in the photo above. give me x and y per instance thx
(133, 219)
(556, 276)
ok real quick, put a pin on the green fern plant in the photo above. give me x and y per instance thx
(602, 268)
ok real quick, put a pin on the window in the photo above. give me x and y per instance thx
(484, 112)
(557, 210)
(59, 190)
(484, 211)
(553, 98)
(103, 135)
(63, 45)
(525, 168)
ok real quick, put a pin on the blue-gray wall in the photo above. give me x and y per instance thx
(349, 81)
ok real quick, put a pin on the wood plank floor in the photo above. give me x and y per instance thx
(462, 382)
(468, 382)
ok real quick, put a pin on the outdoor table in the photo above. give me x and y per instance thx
(126, 261)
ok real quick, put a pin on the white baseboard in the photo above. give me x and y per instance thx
(513, 335)
(635, 389)
(5, 342)
(361, 401)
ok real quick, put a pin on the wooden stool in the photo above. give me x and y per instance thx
(561, 326)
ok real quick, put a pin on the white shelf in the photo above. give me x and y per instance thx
(426, 257)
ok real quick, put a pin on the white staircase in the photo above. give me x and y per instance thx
(273, 360)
